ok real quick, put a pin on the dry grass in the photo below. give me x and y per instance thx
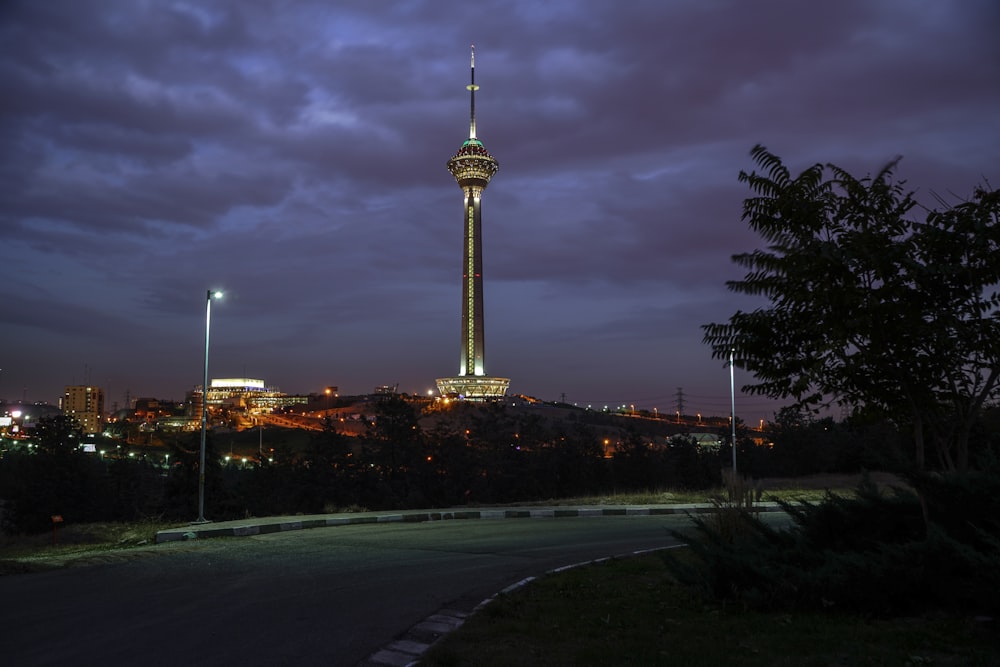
(810, 487)
(29, 553)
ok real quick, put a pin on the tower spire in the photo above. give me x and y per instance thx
(472, 88)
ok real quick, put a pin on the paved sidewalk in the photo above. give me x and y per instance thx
(278, 524)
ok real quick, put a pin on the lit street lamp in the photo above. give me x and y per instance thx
(204, 410)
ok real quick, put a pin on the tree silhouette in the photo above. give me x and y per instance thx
(868, 307)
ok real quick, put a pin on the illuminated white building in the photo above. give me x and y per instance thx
(248, 394)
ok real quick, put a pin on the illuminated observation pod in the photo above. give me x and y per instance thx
(473, 166)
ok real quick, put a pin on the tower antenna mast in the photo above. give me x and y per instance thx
(472, 88)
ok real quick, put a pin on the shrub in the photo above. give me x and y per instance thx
(870, 554)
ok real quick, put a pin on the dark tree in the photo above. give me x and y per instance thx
(58, 434)
(867, 306)
(396, 432)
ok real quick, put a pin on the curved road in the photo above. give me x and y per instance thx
(327, 596)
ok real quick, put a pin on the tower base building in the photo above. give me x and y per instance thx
(473, 387)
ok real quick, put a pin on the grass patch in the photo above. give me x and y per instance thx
(811, 488)
(631, 612)
(652, 497)
(30, 553)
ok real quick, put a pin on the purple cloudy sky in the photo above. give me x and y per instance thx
(293, 154)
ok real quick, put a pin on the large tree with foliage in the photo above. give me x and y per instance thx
(872, 300)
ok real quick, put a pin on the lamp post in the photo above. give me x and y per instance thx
(204, 409)
(732, 393)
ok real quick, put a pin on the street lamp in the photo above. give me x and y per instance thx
(732, 393)
(204, 409)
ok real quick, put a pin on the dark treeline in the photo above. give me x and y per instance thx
(479, 455)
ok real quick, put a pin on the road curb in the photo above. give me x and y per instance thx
(266, 525)
(408, 650)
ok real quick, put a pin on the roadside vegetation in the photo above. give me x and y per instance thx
(890, 309)
(634, 612)
(858, 579)
(74, 543)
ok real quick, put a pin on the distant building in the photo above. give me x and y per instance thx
(249, 394)
(702, 440)
(151, 409)
(86, 404)
(17, 416)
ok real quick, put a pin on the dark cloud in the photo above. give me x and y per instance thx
(294, 154)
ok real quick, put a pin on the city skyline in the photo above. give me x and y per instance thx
(290, 155)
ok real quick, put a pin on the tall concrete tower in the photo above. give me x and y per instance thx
(473, 167)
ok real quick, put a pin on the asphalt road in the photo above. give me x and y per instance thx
(327, 596)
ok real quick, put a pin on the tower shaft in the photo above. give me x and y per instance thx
(473, 340)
